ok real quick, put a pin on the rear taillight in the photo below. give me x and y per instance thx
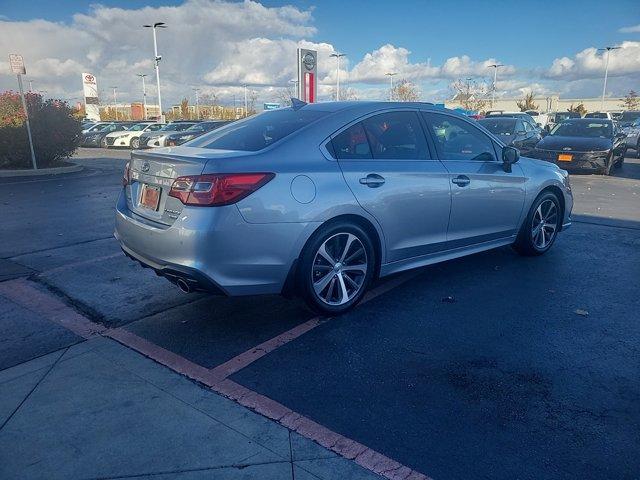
(125, 175)
(217, 189)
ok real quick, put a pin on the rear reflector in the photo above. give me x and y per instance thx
(126, 175)
(217, 189)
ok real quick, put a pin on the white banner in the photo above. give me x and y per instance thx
(91, 102)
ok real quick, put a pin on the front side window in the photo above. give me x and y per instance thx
(396, 136)
(260, 131)
(352, 144)
(457, 139)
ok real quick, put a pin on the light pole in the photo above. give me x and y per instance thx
(197, 90)
(157, 59)
(337, 57)
(495, 67)
(31, 85)
(246, 105)
(295, 85)
(115, 100)
(144, 96)
(391, 75)
(606, 72)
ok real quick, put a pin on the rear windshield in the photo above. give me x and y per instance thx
(499, 126)
(258, 132)
(629, 116)
(596, 115)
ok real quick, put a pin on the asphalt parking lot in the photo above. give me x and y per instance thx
(491, 366)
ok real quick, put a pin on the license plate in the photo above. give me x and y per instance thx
(563, 157)
(150, 197)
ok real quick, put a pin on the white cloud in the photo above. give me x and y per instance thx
(590, 63)
(218, 45)
(631, 29)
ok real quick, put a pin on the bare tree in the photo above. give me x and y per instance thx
(471, 95)
(405, 91)
(285, 94)
(346, 94)
(631, 101)
(251, 102)
(580, 109)
(527, 103)
(184, 108)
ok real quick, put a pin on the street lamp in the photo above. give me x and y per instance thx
(115, 100)
(144, 96)
(391, 75)
(337, 57)
(606, 72)
(157, 59)
(246, 105)
(295, 83)
(495, 67)
(197, 90)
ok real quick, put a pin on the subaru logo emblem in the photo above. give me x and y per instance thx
(145, 167)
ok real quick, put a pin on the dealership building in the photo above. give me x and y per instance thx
(550, 103)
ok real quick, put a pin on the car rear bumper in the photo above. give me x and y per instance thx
(215, 247)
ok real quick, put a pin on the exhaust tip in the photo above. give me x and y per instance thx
(184, 286)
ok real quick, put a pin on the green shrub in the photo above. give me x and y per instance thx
(55, 131)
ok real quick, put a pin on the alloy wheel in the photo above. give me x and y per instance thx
(544, 224)
(339, 269)
(135, 143)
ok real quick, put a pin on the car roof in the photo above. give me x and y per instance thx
(585, 120)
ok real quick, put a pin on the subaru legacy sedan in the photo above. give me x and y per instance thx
(321, 199)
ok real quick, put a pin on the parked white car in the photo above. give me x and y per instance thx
(541, 118)
(131, 137)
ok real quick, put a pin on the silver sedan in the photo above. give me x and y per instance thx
(321, 199)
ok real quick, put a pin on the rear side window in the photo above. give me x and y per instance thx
(396, 136)
(258, 132)
(352, 144)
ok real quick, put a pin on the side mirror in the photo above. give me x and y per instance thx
(510, 156)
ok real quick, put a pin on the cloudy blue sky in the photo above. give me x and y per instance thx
(547, 47)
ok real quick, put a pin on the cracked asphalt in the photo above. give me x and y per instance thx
(502, 380)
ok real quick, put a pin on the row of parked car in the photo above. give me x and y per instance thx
(594, 142)
(140, 135)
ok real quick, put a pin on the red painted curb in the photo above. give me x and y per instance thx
(25, 294)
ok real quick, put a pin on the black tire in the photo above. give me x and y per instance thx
(312, 265)
(135, 143)
(103, 142)
(525, 243)
(608, 167)
(638, 149)
(620, 161)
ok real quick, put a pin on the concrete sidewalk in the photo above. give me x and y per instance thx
(100, 410)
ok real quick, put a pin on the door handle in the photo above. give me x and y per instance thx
(372, 180)
(461, 180)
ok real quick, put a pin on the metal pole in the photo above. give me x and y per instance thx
(31, 85)
(246, 105)
(604, 87)
(390, 74)
(26, 116)
(144, 96)
(157, 61)
(493, 90)
(338, 78)
(197, 104)
(115, 101)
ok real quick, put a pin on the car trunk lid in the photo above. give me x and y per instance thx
(153, 172)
